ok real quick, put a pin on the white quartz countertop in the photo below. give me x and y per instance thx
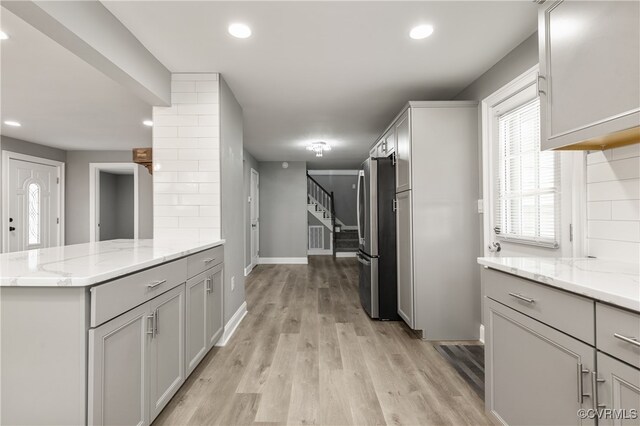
(614, 282)
(83, 265)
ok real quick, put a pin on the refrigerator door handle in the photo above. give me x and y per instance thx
(360, 180)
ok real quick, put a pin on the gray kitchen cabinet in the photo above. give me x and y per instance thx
(404, 244)
(401, 129)
(388, 143)
(166, 348)
(619, 390)
(214, 309)
(534, 373)
(589, 68)
(118, 369)
(196, 331)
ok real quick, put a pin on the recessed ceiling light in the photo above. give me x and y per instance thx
(12, 123)
(3, 35)
(421, 31)
(240, 30)
(148, 123)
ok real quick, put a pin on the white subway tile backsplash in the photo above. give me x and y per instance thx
(594, 157)
(199, 200)
(617, 230)
(627, 168)
(176, 211)
(176, 165)
(182, 87)
(165, 222)
(200, 222)
(175, 188)
(200, 177)
(175, 120)
(208, 120)
(165, 154)
(614, 190)
(599, 210)
(198, 109)
(184, 98)
(207, 86)
(626, 152)
(198, 154)
(625, 210)
(208, 98)
(209, 188)
(618, 250)
(198, 132)
(166, 199)
(210, 211)
(165, 177)
(194, 76)
(209, 166)
(164, 132)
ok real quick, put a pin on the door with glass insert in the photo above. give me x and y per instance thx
(33, 203)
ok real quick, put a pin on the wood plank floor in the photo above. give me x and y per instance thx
(308, 354)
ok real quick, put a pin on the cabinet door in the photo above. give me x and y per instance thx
(389, 141)
(215, 320)
(166, 349)
(535, 375)
(589, 72)
(619, 391)
(403, 152)
(117, 369)
(404, 236)
(196, 333)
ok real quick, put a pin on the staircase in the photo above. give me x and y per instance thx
(320, 203)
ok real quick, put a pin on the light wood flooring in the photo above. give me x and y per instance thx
(306, 353)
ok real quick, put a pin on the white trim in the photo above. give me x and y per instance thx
(333, 172)
(283, 261)
(253, 172)
(6, 157)
(248, 269)
(319, 252)
(94, 198)
(481, 338)
(346, 254)
(232, 325)
(349, 227)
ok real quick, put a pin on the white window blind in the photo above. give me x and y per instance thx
(528, 209)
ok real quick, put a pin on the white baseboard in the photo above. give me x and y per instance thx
(319, 252)
(283, 261)
(482, 333)
(248, 269)
(232, 325)
(346, 253)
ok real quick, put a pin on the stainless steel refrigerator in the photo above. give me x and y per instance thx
(377, 238)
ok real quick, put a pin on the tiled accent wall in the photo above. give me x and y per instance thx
(613, 203)
(186, 160)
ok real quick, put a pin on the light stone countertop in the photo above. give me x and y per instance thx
(83, 265)
(614, 282)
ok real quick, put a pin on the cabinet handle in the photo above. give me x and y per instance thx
(209, 260)
(538, 89)
(150, 321)
(156, 283)
(632, 340)
(208, 284)
(594, 390)
(581, 393)
(521, 297)
(156, 321)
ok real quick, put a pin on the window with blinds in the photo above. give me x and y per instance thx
(528, 187)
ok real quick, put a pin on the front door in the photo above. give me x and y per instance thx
(33, 205)
(255, 216)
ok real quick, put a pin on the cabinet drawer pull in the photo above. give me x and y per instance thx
(634, 341)
(521, 297)
(209, 260)
(208, 285)
(156, 283)
(150, 325)
(594, 389)
(581, 393)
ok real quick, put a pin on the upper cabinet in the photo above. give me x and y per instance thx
(589, 74)
(403, 152)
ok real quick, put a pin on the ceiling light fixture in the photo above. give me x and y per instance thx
(148, 123)
(12, 123)
(240, 30)
(319, 148)
(421, 31)
(3, 35)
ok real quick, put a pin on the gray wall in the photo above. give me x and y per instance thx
(77, 194)
(283, 209)
(231, 146)
(28, 148)
(116, 206)
(343, 193)
(248, 163)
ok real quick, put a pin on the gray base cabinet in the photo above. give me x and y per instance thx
(404, 233)
(520, 388)
(214, 312)
(619, 390)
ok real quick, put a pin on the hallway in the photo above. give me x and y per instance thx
(307, 354)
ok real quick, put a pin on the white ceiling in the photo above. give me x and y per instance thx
(62, 101)
(333, 71)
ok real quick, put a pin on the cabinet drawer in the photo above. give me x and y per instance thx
(618, 333)
(567, 312)
(200, 262)
(116, 297)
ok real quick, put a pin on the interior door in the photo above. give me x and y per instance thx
(255, 216)
(33, 205)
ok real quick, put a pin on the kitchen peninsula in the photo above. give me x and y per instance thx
(105, 333)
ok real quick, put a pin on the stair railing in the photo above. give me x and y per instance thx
(324, 198)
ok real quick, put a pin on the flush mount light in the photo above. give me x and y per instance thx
(421, 31)
(319, 148)
(3, 35)
(240, 30)
(12, 123)
(148, 123)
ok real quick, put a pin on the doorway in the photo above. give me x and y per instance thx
(118, 205)
(33, 200)
(255, 217)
